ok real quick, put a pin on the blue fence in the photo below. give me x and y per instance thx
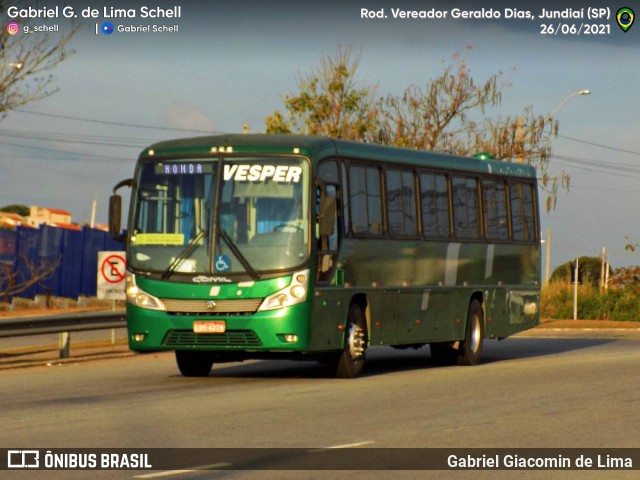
(69, 258)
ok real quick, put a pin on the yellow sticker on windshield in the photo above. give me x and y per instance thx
(158, 239)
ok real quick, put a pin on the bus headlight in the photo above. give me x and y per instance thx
(139, 297)
(292, 294)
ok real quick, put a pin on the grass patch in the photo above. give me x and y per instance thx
(556, 301)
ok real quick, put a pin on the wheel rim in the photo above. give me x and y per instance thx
(356, 341)
(475, 336)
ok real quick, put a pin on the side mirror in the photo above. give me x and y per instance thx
(115, 211)
(115, 215)
(327, 216)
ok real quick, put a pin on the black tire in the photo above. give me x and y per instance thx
(194, 363)
(471, 349)
(352, 359)
(443, 353)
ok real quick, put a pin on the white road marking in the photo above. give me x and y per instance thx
(170, 473)
(346, 445)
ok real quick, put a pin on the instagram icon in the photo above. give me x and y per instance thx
(13, 28)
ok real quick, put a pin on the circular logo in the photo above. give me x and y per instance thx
(107, 28)
(13, 28)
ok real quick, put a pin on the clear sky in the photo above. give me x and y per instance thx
(234, 63)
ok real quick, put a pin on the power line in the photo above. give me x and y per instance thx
(72, 154)
(77, 138)
(192, 130)
(119, 124)
(597, 166)
(588, 187)
(593, 144)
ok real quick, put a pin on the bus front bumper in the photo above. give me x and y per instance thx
(281, 330)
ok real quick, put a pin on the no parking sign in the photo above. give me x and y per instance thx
(112, 270)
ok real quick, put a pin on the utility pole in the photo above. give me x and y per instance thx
(575, 291)
(548, 259)
(603, 268)
(520, 139)
(94, 207)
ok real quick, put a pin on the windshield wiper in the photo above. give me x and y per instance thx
(185, 253)
(253, 273)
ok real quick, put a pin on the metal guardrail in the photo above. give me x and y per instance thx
(71, 322)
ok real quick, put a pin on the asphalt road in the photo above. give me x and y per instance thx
(529, 393)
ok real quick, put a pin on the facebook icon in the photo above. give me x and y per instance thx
(107, 28)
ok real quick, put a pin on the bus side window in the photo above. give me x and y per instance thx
(522, 211)
(366, 200)
(464, 192)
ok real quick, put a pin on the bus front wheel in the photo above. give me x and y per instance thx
(352, 358)
(194, 363)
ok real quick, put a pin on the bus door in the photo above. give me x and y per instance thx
(330, 306)
(327, 233)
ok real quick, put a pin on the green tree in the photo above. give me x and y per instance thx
(21, 210)
(590, 267)
(330, 102)
(447, 115)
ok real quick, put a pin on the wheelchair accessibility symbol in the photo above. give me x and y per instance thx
(222, 263)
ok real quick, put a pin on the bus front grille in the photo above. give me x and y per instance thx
(230, 338)
(212, 307)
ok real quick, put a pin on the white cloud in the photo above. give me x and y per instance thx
(187, 116)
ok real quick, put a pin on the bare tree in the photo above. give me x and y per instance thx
(14, 282)
(449, 114)
(26, 65)
(27, 61)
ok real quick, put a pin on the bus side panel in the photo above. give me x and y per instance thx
(495, 313)
(419, 292)
(428, 315)
(328, 312)
(511, 310)
(410, 326)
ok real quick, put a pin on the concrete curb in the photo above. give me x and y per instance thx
(49, 355)
(580, 333)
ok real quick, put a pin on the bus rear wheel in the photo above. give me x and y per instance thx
(352, 358)
(194, 363)
(471, 349)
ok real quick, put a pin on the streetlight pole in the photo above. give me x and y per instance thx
(585, 91)
(570, 96)
(519, 126)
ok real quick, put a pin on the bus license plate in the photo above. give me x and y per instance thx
(209, 327)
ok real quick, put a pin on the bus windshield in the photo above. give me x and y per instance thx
(199, 217)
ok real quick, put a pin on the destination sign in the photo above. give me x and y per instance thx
(184, 168)
(261, 173)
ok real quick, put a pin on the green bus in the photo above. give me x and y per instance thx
(284, 246)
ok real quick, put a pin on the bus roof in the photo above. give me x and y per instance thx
(322, 147)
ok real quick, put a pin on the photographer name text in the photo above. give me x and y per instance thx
(90, 12)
